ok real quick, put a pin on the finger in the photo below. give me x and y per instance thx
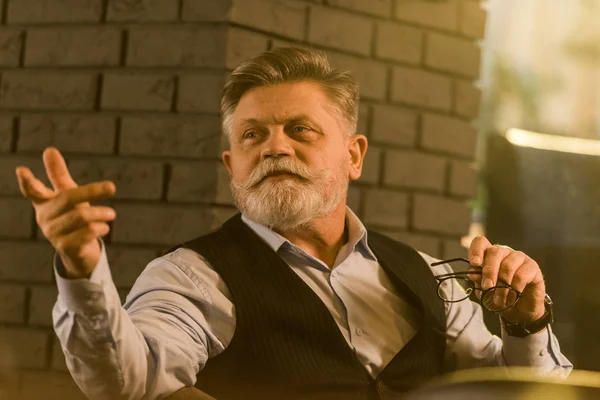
(509, 265)
(76, 219)
(72, 242)
(475, 275)
(67, 200)
(31, 187)
(528, 274)
(529, 278)
(491, 265)
(57, 170)
(477, 250)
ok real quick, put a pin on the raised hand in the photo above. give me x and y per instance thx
(64, 213)
(516, 269)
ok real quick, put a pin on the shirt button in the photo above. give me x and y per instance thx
(382, 387)
(542, 352)
(359, 331)
(334, 274)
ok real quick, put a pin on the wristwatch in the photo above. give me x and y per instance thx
(523, 329)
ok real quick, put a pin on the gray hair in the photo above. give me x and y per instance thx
(289, 65)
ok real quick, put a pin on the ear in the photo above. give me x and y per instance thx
(357, 147)
(226, 157)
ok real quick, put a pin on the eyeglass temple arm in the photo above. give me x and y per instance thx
(449, 261)
(451, 274)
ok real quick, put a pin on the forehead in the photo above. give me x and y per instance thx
(275, 104)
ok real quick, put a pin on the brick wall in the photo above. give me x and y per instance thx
(129, 91)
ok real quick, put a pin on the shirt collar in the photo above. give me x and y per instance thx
(357, 235)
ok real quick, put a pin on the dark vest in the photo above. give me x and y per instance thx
(286, 343)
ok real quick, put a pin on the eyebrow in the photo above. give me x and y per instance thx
(292, 118)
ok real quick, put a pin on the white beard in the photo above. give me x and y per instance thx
(291, 203)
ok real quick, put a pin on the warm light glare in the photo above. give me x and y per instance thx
(544, 141)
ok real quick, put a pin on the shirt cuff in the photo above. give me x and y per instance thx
(535, 350)
(86, 295)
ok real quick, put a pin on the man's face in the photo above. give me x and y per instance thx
(290, 160)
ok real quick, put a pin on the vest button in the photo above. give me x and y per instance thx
(382, 387)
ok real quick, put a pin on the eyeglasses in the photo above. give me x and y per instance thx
(457, 286)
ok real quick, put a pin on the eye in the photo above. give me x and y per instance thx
(300, 129)
(249, 135)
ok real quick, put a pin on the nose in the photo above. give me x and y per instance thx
(278, 144)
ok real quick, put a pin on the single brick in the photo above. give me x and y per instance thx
(421, 88)
(371, 166)
(26, 261)
(84, 134)
(448, 135)
(362, 125)
(171, 136)
(12, 303)
(242, 45)
(26, 347)
(8, 178)
(58, 357)
(275, 42)
(159, 224)
(127, 263)
(11, 378)
(221, 214)
(193, 181)
(463, 179)
(436, 14)
(453, 249)
(11, 45)
(49, 385)
(134, 179)
(48, 90)
(135, 91)
(427, 244)
(201, 92)
(206, 10)
(381, 8)
(467, 100)
(16, 217)
(448, 53)
(281, 17)
(6, 133)
(354, 199)
(87, 46)
(223, 195)
(394, 125)
(143, 10)
(340, 30)
(440, 214)
(41, 304)
(53, 11)
(180, 46)
(413, 169)
(398, 42)
(473, 18)
(385, 208)
(370, 75)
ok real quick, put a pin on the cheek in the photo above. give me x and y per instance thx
(241, 166)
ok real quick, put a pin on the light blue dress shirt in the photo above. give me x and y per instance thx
(180, 314)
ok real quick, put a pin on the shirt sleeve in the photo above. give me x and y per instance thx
(470, 344)
(149, 348)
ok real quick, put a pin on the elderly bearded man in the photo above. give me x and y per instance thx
(293, 298)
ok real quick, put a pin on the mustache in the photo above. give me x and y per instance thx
(273, 166)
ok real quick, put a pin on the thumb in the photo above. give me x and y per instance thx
(57, 171)
(31, 187)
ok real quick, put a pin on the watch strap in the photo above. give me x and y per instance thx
(524, 329)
